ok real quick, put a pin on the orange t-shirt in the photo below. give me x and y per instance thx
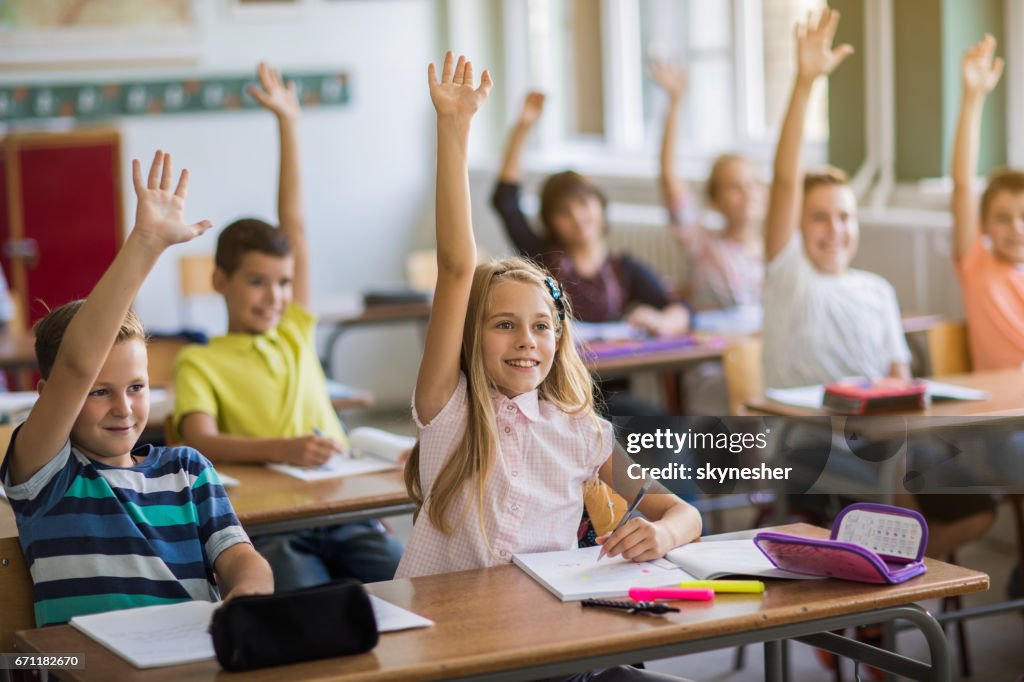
(994, 302)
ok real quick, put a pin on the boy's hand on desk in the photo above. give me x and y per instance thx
(311, 451)
(637, 540)
(274, 95)
(249, 588)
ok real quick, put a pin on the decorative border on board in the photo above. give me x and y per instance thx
(99, 100)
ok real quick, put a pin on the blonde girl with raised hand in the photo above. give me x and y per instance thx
(725, 268)
(503, 402)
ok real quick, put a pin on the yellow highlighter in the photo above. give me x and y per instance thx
(746, 586)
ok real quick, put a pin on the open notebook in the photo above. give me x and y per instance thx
(372, 450)
(173, 634)
(575, 574)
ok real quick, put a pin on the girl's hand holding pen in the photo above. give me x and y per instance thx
(637, 540)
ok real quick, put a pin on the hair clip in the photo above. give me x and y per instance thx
(556, 294)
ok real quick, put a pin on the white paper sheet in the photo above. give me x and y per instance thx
(336, 467)
(942, 391)
(154, 636)
(391, 618)
(801, 396)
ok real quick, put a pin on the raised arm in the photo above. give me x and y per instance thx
(533, 108)
(506, 194)
(455, 100)
(979, 74)
(815, 58)
(159, 223)
(281, 100)
(673, 80)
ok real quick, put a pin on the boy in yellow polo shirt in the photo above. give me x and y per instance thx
(258, 394)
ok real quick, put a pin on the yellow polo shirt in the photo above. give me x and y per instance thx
(268, 385)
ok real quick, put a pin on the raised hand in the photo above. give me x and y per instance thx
(670, 77)
(274, 95)
(533, 108)
(979, 71)
(160, 214)
(814, 52)
(454, 95)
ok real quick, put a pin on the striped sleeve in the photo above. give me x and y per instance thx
(219, 528)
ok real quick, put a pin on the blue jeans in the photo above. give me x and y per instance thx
(360, 550)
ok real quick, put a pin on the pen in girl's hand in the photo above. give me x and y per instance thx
(630, 512)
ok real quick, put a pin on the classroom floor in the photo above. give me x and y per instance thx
(996, 650)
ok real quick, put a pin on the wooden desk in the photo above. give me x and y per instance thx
(268, 501)
(364, 316)
(498, 622)
(706, 348)
(1007, 401)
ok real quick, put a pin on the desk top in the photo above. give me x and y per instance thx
(268, 496)
(703, 348)
(501, 620)
(1007, 401)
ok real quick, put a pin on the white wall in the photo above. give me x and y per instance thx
(368, 166)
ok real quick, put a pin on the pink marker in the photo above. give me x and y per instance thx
(679, 593)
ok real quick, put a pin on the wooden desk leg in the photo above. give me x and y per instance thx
(774, 668)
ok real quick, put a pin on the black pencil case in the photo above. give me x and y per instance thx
(323, 621)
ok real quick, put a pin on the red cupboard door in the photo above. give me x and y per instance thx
(64, 215)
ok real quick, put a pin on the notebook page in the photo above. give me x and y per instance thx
(576, 574)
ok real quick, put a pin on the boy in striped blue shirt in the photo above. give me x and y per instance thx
(103, 526)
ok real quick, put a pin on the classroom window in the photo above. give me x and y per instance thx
(590, 55)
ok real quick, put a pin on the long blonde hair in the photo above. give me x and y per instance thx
(568, 386)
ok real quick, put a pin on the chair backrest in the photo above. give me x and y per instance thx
(195, 273)
(162, 353)
(744, 376)
(16, 607)
(948, 350)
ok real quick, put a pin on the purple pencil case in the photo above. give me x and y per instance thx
(870, 543)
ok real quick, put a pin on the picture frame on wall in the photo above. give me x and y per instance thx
(97, 34)
(266, 10)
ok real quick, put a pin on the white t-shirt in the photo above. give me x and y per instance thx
(819, 328)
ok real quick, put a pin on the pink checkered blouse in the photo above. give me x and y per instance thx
(533, 498)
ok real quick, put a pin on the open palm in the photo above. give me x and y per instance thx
(160, 212)
(454, 95)
(980, 71)
(672, 78)
(273, 94)
(533, 108)
(815, 55)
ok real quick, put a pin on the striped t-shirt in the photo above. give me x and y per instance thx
(100, 538)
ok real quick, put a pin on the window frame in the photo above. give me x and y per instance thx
(626, 143)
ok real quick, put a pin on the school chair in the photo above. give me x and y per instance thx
(948, 349)
(744, 375)
(16, 608)
(163, 350)
(195, 280)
